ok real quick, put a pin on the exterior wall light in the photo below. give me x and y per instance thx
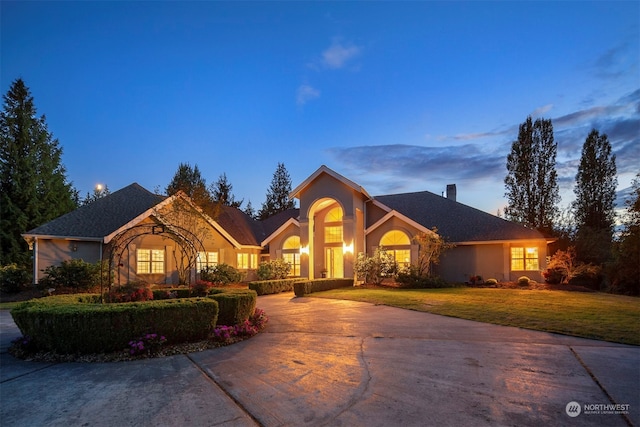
(347, 248)
(304, 250)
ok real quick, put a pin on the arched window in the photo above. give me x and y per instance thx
(291, 254)
(398, 244)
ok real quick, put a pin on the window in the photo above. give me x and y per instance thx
(291, 254)
(524, 259)
(243, 261)
(333, 234)
(206, 259)
(398, 244)
(333, 225)
(254, 261)
(150, 261)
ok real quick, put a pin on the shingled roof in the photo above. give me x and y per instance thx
(455, 221)
(244, 229)
(101, 217)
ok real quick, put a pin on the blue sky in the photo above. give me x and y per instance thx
(396, 96)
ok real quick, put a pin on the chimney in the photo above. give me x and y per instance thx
(451, 192)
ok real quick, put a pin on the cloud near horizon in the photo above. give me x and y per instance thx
(406, 167)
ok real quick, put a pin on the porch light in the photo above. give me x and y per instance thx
(304, 250)
(347, 248)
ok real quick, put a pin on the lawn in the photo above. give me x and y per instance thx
(600, 316)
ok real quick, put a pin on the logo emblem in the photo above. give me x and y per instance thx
(573, 409)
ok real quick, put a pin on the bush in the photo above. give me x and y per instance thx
(274, 269)
(523, 281)
(382, 264)
(234, 307)
(221, 274)
(318, 285)
(73, 324)
(13, 278)
(130, 292)
(74, 273)
(267, 287)
(201, 288)
(476, 280)
(491, 282)
(413, 280)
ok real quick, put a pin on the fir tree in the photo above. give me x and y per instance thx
(189, 180)
(595, 192)
(278, 194)
(531, 183)
(33, 183)
(221, 192)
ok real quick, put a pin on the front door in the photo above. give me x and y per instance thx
(333, 262)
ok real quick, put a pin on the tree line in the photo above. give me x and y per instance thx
(587, 228)
(34, 187)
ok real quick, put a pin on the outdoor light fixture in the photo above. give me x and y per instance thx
(347, 248)
(304, 250)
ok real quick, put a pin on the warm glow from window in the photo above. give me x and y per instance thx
(294, 261)
(150, 261)
(524, 259)
(206, 259)
(292, 242)
(334, 215)
(333, 234)
(243, 261)
(395, 238)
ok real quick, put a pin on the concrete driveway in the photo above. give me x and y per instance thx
(339, 363)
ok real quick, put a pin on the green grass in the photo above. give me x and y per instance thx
(8, 305)
(606, 317)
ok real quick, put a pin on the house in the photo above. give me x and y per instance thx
(167, 239)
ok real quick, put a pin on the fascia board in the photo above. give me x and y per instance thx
(290, 221)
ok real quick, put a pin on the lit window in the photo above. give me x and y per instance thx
(334, 215)
(333, 234)
(150, 261)
(524, 259)
(206, 259)
(243, 261)
(254, 261)
(398, 244)
(291, 254)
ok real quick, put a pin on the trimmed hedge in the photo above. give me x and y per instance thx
(304, 288)
(160, 294)
(267, 287)
(235, 306)
(72, 324)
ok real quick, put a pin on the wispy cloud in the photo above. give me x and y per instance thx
(306, 93)
(339, 54)
(404, 167)
(538, 112)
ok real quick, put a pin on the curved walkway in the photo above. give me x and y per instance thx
(337, 363)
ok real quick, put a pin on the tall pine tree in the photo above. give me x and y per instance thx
(278, 194)
(222, 193)
(594, 207)
(531, 183)
(33, 183)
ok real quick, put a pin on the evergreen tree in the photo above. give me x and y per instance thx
(33, 183)
(221, 192)
(531, 183)
(626, 271)
(278, 194)
(98, 193)
(249, 210)
(189, 180)
(595, 192)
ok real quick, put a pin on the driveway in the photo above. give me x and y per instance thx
(339, 363)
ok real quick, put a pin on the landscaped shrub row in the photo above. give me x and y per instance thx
(75, 324)
(267, 287)
(304, 288)
(235, 305)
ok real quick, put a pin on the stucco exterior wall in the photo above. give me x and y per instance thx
(53, 252)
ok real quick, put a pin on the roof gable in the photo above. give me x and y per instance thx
(101, 217)
(325, 170)
(455, 221)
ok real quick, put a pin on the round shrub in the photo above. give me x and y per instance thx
(274, 269)
(13, 278)
(491, 282)
(221, 274)
(523, 281)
